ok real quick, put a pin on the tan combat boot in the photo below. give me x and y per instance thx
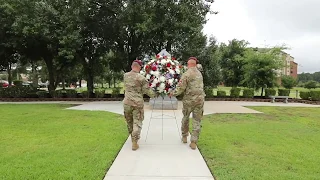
(193, 145)
(135, 145)
(184, 139)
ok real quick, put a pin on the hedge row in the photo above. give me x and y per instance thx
(310, 95)
(28, 92)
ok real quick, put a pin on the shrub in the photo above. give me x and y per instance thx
(115, 92)
(270, 92)
(85, 94)
(248, 93)
(99, 93)
(3, 93)
(283, 92)
(57, 93)
(235, 92)
(17, 83)
(288, 82)
(315, 95)
(310, 85)
(42, 94)
(221, 93)
(71, 93)
(305, 95)
(208, 92)
(15, 92)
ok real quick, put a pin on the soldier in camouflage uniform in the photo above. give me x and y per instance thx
(135, 86)
(191, 84)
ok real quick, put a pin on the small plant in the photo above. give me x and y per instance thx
(248, 93)
(283, 92)
(315, 95)
(270, 92)
(115, 92)
(235, 92)
(305, 95)
(221, 93)
(99, 93)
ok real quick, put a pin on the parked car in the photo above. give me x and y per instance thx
(4, 84)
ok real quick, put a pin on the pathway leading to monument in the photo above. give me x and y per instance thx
(162, 155)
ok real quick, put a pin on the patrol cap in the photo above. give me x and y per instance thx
(193, 58)
(138, 61)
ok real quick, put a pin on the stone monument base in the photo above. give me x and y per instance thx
(164, 103)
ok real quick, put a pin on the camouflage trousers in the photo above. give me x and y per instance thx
(134, 117)
(197, 111)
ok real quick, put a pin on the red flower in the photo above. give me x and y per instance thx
(158, 56)
(154, 68)
(150, 84)
(147, 67)
(180, 66)
(173, 67)
(165, 57)
(168, 64)
(173, 58)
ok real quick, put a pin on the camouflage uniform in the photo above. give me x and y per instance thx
(135, 86)
(191, 84)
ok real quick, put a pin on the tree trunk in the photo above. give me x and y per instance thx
(9, 74)
(34, 75)
(90, 83)
(63, 83)
(262, 92)
(109, 83)
(80, 83)
(49, 64)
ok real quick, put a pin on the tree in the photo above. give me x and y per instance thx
(8, 40)
(232, 62)
(260, 68)
(209, 60)
(310, 85)
(288, 82)
(144, 28)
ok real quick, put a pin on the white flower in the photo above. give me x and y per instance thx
(148, 76)
(162, 86)
(156, 80)
(162, 79)
(177, 71)
(163, 61)
(171, 71)
(152, 72)
(170, 81)
(142, 73)
(176, 80)
(156, 73)
(153, 84)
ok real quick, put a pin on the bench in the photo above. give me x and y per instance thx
(279, 97)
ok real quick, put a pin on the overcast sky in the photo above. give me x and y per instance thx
(295, 23)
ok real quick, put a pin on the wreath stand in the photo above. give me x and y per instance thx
(162, 116)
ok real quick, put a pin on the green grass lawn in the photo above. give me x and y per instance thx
(283, 143)
(50, 142)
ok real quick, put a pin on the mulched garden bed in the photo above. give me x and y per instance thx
(147, 100)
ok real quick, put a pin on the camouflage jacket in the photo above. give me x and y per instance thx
(191, 84)
(135, 86)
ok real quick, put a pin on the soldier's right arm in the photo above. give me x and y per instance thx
(146, 89)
